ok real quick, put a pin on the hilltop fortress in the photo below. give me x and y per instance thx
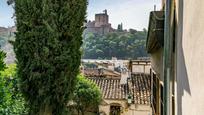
(100, 25)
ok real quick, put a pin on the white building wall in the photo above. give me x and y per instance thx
(141, 69)
(190, 57)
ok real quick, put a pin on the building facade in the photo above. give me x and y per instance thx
(132, 98)
(177, 58)
(189, 63)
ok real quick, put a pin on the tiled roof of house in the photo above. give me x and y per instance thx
(91, 72)
(110, 88)
(141, 88)
(100, 72)
(138, 85)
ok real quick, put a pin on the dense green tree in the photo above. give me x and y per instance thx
(11, 100)
(87, 95)
(120, 44)
(47, 48)
(2, 57)
(120, 27)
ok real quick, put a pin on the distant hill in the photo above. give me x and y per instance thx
(119, 44)
(3, 30)
(6, 35)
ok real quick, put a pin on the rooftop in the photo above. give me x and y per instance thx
(138, 85)
(100, 72)
(155, 36)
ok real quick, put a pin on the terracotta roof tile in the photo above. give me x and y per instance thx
(139, 87)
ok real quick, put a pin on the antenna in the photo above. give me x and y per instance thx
(155, 7)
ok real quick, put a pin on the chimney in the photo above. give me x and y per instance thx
(125, 74)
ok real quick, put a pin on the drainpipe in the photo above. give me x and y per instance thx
(167, 56)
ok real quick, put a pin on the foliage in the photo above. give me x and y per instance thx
(9, 2)
(47, 48)
(2, 57)
(120, 27)
(123, 45)
(11, 100)
(87, 95)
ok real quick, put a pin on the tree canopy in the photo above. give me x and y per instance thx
(87, 95)
(47, 48)
(123, 45)
(11, 100)
(2, 57)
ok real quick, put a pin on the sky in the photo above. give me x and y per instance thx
(132, 13)
(6, 12)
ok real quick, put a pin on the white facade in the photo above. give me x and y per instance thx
(189, 57)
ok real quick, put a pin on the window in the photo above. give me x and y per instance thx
(115, 110)
(155, 95)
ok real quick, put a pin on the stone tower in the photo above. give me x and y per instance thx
(101, 19)
(100, 25)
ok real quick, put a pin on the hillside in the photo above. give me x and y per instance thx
(6, 35)
(119, 44)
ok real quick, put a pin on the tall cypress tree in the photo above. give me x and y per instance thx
(2, 57)
(47, 47)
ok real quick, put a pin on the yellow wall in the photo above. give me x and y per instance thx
(126, 110)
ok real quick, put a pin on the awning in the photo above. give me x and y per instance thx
(155, 36)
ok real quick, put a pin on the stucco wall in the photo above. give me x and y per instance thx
(126, 110)
(190, 57)
(141, 69)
